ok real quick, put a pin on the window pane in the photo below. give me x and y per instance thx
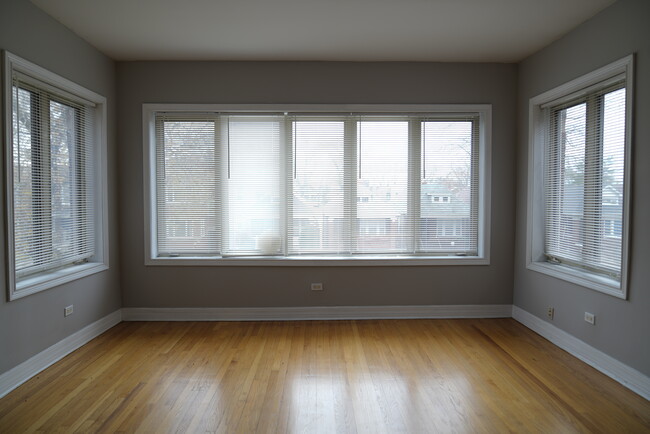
(254, 186)
(448, 217)
(318, 224)
(52, 196)
(65, 193)
(612, 184)
(566, 185)
(584, 199)
(24, 215)
(382, 187)
(187, 188)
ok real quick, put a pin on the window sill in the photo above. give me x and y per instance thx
(580, 277)
(42, 282)
(321, 261)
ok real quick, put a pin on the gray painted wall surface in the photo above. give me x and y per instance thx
(622, 326)
(31, 324)
(313, 83)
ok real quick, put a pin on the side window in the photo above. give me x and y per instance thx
(54, 208)
(261, 185)
(581, 151)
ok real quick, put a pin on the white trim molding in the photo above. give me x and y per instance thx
(315, 313)
(627, 376)
(26, 370)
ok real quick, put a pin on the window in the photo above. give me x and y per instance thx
(316, 185)
(54, 206)
(579, 197)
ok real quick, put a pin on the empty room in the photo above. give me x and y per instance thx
(362, 216)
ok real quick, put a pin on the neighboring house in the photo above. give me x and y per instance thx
(445, 223)
(381, 216)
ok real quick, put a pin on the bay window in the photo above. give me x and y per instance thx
(316, 185)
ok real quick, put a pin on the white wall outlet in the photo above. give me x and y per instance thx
(590, 318)
(69, 310)
(316, 286)
(550, 312)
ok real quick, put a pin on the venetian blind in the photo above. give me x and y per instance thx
(251, 184)
(320, 190)
(53, 189)
(187, 185)
(584, 179)
(449, 190)
(253, 207)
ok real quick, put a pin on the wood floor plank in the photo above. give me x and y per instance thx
(390, 376)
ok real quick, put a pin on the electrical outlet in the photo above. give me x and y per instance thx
(590, 318)
(550, 312)
(69, 310)
(316, 286)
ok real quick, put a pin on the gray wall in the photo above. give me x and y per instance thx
(622, 326)
(31, 324)
(314, 82)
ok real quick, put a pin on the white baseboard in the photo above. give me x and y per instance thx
(315, 313)
(627, 376)
(26, 370)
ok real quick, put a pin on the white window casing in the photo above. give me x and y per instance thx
(580, 149)
(291, 185)
(55, 166)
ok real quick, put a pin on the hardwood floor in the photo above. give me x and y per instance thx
(385, 376)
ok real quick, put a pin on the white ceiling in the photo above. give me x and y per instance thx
(355, 30)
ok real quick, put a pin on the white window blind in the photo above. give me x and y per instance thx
(584, 179)
(383, 221)
(449, 199)
(253, 185)
(188, 185)
(301, 184)
(320, 206)
(53, 180)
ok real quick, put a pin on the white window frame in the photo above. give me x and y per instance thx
(99, 262)
(538, 143)
(484, 166)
